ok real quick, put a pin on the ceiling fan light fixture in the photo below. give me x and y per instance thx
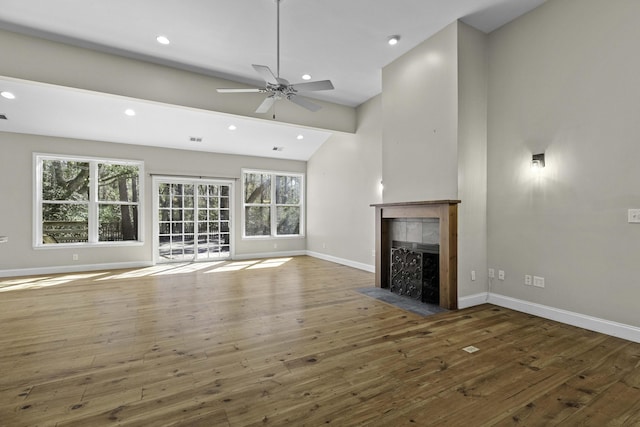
(393, 40)
(278, 88)
(306, 77)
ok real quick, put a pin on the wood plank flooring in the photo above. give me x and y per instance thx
(290, 342)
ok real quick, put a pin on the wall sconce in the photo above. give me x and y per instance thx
(537, 161)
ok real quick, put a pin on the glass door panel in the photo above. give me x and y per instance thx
(194, 220)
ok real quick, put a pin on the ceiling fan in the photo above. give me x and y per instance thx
(279, 88)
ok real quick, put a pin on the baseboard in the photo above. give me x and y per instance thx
(347, 262)
(620, 330)
(261, 255)
(471, 300)
(72, 269)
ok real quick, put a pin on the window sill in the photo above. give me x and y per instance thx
(264, 238)
(88, 245)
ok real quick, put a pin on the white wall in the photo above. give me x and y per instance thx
(420, 121)
(16, 189)
(344, 178)
(565, 79)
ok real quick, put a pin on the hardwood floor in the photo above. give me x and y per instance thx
(290, 342)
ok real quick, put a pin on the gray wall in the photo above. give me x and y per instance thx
(472, 159)
(434, 106)
(344, 178)
(16, 196)
(420, 121)
(565, 79)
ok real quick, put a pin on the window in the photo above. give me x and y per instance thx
(273, 204)
(86, 201)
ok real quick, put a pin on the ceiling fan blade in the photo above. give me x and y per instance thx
(313, 86)
(266, 73)
(266, 105)
(252, 90)
(304, 102)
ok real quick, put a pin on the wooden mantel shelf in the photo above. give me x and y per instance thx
(425, 202)
(447, 212)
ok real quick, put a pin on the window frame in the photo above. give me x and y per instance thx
(93, 203)
(273, 205)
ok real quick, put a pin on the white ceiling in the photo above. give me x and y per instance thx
(340, 40)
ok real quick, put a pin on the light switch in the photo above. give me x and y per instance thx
(538, 281)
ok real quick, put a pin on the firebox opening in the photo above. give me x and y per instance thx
(415, 271)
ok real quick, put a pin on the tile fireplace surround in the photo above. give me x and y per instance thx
(447, 213)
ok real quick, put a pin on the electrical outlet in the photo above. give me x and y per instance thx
(538, 281)
(373, 252)
(275, 246)
(528, 280)
(473, 275)
(492, 273)
(75, 257)
(501, 274)
(634, 215)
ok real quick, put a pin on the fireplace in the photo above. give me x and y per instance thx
(444, 216)
(415, 271)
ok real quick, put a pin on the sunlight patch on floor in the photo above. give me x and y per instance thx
(156, 270)
(187, 268)
(140, 272)
(270, 263)
(43, 282)
(233, 266)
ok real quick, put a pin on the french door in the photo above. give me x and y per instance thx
(192, 219)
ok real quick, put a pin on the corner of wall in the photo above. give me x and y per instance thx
(472, 160)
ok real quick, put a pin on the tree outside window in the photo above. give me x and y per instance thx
(87, 200)
(273, 204)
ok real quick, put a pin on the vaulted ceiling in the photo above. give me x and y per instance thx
(344, 41)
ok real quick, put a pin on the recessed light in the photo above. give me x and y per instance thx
(393, 40)
(232, 127)
(163, 40)
(301, 136)
(129, 112)
(7, 95)
(306, 77)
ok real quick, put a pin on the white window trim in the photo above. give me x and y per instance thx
(93, 204)
(273, 206)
